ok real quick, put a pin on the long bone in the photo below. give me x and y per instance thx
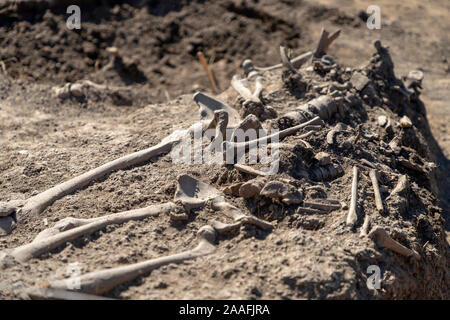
(194, 193)
(38, 203)
(268, 139)
(208, 105)
(383, 239)
(71, 229)
(352, 217)
(102, 281)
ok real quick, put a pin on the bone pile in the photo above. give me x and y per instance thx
(325, 142)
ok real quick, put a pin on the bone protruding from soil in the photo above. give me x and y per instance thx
(238, 84)
(37, 204)
(58, 294)
(103, 281)
(376, 190)
(252, 70)
(71, 229)
(383, 239)
(324, 42)
(208, 105)
(352, 217)
(286, 62)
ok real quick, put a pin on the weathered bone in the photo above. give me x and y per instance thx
(365, 227)
(322, 206)
(38, 203)
(208, 71)
(285, 60)
(237, 84)
(352, 217)
(192, 191)
(247, 169)
(57, 294)
(297, 62)
(325, 42)
(208, 105)
(71, 229)
(268, 139)
(102, 281)
(376, 190)
(401, 187)
(383, 239)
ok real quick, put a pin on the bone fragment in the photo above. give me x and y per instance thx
(324, 42)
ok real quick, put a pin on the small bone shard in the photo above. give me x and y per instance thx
(57, 294)
(322, 206)
(103, 281)
(75, 228)
(376, 190)
(352, 217)
(383, 239)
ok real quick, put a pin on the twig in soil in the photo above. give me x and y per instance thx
(383, 239)
(102, 281)
(376, 190)
(203, 62)
(352, 217)
(71, 228)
